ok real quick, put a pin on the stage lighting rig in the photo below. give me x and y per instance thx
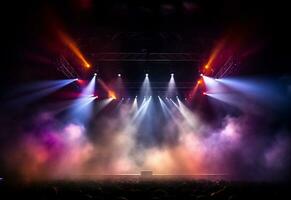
(65, 67)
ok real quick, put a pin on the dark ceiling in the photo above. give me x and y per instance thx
(161, 26)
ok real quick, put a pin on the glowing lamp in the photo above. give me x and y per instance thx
(112, 95)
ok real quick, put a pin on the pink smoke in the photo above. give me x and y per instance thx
(73, 150)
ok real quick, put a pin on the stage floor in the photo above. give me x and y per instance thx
(149, 189)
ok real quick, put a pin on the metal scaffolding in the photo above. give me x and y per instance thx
(139, 57)
(64, 66)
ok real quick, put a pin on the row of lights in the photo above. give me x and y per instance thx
(168, 98)
(172, 75)
(147, 75)
(119, 75)
(96, 96)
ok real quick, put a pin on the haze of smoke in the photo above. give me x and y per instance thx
(113, 145)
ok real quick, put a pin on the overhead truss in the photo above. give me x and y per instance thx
(139, 57)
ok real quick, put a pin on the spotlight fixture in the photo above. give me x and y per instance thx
(172, 74)
(147, 75)
(95, 74)
(201, 74)
(204, 93)
(135, 97)
(119, 75)
(76, 79)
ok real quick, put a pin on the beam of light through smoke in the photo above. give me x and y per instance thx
(69, 42)
(212, 85)
(242, 93)
(165, 110)
(261, 90)
(189, 116)
(139, 115)
(146, 88)
(137, 137)
(34, 91)
(194, 90)
(81, 109)
(101, 104)
(168, 113)
(89, 90)
(134, 106)
(171, 90)
(110, 92)
(119, 87)
(231, 99)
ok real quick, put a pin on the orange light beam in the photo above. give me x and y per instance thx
(214, 53)
(69, 42)
(194, 90)
(111, 93)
